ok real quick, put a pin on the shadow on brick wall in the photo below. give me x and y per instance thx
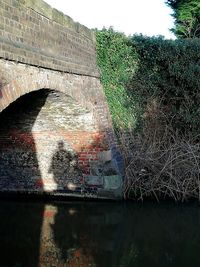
(65, 170)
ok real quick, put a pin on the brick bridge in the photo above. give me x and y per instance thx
(56, 134)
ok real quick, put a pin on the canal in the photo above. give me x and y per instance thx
(98, 234)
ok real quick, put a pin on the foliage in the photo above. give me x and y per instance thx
(167, 83)
(153, 90)
(149, 77)
(117, 60)
(187, 17)
(116, 57)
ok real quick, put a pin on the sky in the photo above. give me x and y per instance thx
(149, 17)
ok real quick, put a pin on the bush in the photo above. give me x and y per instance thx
(153, 91)
(167, 81)
(162, 169)
(117, 60)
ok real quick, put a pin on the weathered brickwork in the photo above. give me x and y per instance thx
(50, 143)
(57, 139)
(32, 32)
(56, 132)
(18, 79)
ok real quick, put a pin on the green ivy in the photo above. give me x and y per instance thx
(118, 62)
(136, 70)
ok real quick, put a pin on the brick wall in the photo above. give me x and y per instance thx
(32, 32)
(30, 150)
(17, 79)
(41, 48)
(47, 142)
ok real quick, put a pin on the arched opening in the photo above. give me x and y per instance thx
(49, 143)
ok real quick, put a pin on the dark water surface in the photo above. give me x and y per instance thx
(75, 234)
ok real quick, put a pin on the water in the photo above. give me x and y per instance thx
(75, 234)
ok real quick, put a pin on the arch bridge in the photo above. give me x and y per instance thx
(56, 134)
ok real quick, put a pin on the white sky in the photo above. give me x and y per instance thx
(149, 17)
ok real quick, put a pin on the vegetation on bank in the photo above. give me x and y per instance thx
(186, 14)
(117, 60)
(153, 90)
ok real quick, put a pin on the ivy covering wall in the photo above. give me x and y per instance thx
(153, 90)
(141, 73)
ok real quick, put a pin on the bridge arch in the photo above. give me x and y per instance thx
(57, 133)
(86, 143)
(33, 79)
(18, 79)
(49, 51)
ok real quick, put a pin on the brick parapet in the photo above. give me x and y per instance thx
(33, 33)
(17, 79)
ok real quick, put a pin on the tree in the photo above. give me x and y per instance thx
(187, 18)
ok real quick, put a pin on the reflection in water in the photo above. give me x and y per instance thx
(99, 235)
(20, 228)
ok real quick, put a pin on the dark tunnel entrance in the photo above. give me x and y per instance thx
(43, 138)
(18, 159)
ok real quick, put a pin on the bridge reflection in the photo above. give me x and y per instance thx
(98, 234)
